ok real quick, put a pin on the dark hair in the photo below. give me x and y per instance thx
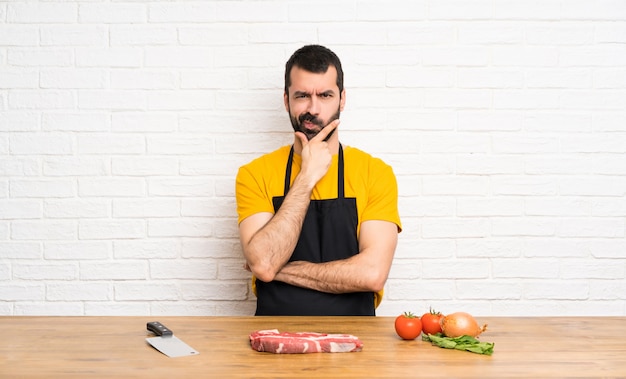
(316, 59)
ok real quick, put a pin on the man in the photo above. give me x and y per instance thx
(318, 221)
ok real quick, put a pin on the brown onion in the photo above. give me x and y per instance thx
(461, 324)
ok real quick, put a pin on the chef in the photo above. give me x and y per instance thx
(318, 220)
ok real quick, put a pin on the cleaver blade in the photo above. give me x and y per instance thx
(167, 343)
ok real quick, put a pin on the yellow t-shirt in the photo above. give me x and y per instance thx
(370, 180)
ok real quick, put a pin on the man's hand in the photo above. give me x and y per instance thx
(316, 154)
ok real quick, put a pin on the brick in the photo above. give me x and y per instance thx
(112, 100)
(77, 251)
(74, 35)
(19, 121)
(40, 57)
(186, 56)
(275, 33)
(592, 227)
(146, 291)
(215, 79)
(595, 100)
(479, 207)
(559, 34)
(557, 122)
(101, 143)
(226, 166)
(41, 143)
(554, 247)
(460, 10)
(75, 166)
(237, 11)
(410, 290)
(585, 186)
(599, 10)
(111, 229)
(339, 34)
(41, 13)
(146, 208)
(210, 248)
(142, 79)
(113, 270)
(124, 57)
(134, 122)
(455, 143)
(142, 35)
(183, 269)
(456, 185)
(593, 143)
(427, 78)
(455, 269)
(147, 248)
(418, 33)
(493, 290)
(488, 248)
(72, 78)
(490, 33)
(43, 230)
(76, 208)
(41, 99)
(397, 10)
(19, 78)
(523, 226)
(610, 33)
(220, 207)
(536, 268)
(180, 227)
(75, 122)
(557, 206)
(144, 166)
(22, 292)
(455, 56)
(19, 250)
(607, 289)
(407, 269)
(88, 292)
(191, 100)
(232, 269)
(185, 12)
(318, 12)
(483, 164)
(19, 167)
(525, 56)
(38, 271)
(598, 55)
(106, 308)
(191, 308)
(20, 209)
(249, 56)
(233, 290)
(124, 13)
(524, 185)
(457, 98)
(456, 228)
(48, 309)
(19, 35)
(561, 164)
(591, 269)
(607, 248)
(608, 207)
(609, 78)
(183, 145)
(44, 188)
(382, 56)
(213, 35)
(111, 187)
(556, 290)
(524, 144)
(489, 78)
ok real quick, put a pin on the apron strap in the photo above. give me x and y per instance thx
(340, 184)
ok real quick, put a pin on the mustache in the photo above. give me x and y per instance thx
(307, 117)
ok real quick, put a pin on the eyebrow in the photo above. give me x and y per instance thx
(327, 92)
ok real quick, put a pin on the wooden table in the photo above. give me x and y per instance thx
(85, 347)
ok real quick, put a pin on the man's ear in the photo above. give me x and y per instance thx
(342, 102)
(286, 100)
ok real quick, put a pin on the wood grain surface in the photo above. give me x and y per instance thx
(87, 347)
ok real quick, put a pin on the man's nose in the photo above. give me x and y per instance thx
(314, 105)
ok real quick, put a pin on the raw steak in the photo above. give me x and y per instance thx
(272, 341)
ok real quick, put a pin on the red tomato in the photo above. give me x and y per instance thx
(408, 326)
(431, 322)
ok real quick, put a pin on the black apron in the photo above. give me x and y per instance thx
(329, 233)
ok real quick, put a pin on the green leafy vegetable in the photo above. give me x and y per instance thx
(467, 343)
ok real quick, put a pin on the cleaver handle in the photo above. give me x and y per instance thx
(159, 329)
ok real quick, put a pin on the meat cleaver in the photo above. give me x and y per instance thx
(167, 343)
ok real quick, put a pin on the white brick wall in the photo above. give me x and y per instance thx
(122, 125)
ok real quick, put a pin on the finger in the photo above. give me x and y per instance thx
(325, 132)
(302, 137)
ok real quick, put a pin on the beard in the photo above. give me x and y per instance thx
(296, 123)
